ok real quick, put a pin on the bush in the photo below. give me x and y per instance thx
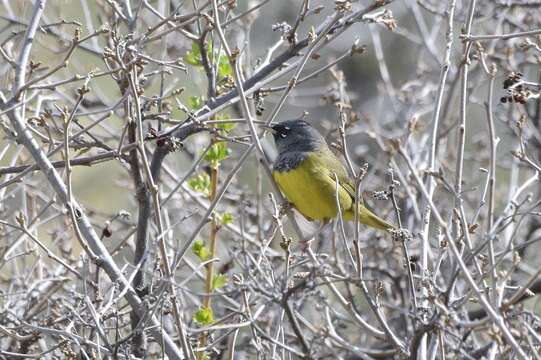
(139, 217)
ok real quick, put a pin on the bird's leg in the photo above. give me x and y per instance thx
(307, 241)
(285, 207)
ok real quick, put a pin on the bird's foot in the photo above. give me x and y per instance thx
(285, 207)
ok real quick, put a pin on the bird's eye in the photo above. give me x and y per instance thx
(287, 128)
(283, 135)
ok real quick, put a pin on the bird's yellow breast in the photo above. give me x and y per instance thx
(312, 190)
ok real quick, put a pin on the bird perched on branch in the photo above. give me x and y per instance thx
(307, 172)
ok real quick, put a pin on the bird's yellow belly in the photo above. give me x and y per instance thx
(312, 192)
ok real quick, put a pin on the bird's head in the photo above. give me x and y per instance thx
(296, 135)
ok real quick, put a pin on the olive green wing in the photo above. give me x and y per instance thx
(366, 216)
(335, 166)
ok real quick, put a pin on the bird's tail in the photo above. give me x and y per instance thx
(368, 218)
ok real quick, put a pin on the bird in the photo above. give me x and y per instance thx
(306, 172)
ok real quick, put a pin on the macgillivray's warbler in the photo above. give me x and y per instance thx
(306, 171)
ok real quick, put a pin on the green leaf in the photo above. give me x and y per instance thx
(204, 316)
(227, 218)
(224, 68)
(219, 281)
(225, 125)
(193, 57)
(200, 183)
(217, 152)
(200, 250)
(195, 102)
